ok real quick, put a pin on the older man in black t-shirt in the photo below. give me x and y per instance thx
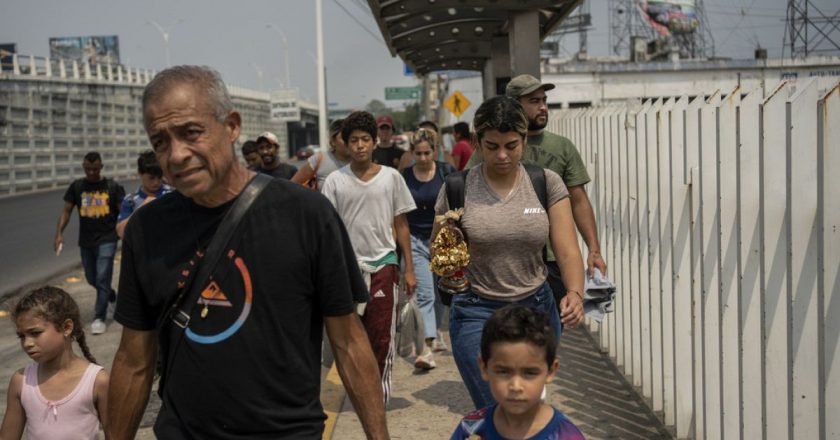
(247, 363)
(98, 199)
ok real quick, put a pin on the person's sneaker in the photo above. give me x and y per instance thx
(98, 327)
(425, 361)
(439, 344)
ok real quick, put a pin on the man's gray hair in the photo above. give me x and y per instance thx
(205, 79)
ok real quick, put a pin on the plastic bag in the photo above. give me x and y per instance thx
(411, 335)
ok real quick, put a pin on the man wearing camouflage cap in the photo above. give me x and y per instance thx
(560, 155)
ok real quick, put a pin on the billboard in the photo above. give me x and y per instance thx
(93, 50)
(668, 17)
(6, 51)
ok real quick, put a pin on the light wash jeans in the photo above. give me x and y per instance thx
(467, 316)
(431, 310)
(98, 262)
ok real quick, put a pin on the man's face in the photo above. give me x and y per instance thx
(385, 133)
(253, 159)
(361, 145)
(267, 152)
(92, 170)
(150, 183)
(194, 149)
(536, 108)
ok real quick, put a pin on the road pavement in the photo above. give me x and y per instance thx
(28, 226)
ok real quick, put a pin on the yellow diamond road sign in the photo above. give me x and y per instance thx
(457, 103)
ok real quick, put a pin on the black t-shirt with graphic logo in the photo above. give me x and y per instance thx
(251, 367)
(99, 205)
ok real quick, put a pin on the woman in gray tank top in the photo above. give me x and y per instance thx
(507, 225)
(316, 169)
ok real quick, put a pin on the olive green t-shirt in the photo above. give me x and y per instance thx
(555, 153)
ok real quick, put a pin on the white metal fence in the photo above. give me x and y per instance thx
(719, 217)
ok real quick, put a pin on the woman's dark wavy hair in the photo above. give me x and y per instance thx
(501, 113)
(55, 306)
(358, 120)
(517, 323)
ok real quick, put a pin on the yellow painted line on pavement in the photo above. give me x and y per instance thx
(332, 397)
(72, 279)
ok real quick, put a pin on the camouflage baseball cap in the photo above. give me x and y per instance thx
(525, 84)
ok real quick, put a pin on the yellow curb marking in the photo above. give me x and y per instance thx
(72, 279)
(332, 397)
(3, 313)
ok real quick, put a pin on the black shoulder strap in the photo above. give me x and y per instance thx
(179, 311)
(537, 175)
(455, 183)
(181, 315)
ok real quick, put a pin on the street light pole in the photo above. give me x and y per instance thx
(165, 34)
(259, 74)
(285, 50)
(322, 86)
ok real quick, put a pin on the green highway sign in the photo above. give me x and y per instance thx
(394, 93)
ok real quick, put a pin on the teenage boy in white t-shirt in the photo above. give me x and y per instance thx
(372, 200)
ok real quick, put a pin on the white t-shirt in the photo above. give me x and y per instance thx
(368, 208)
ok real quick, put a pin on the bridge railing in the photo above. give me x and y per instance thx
(719, 217)
(51, 68)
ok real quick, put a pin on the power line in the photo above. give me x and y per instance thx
(375, 36)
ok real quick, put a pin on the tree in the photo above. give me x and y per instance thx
(377, 108)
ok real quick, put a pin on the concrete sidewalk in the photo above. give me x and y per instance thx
(587, 389)
(424, 404)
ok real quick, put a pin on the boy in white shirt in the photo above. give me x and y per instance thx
(372, 200)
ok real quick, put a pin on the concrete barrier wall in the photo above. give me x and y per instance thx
(719, 217)
(52, 113)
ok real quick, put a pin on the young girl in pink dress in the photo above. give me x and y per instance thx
(60, 395)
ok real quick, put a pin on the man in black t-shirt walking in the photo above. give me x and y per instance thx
(98, 199)
(386, 151)
(246, 364)
(269, 150)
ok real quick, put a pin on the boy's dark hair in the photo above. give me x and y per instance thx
(147, 163)
(55, 306)
(462, 129)
(429, 124)
(92, 157)
(358, 120)
(516, 323)
(249, 147)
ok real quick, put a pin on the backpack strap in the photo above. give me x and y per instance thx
(455, 185)
(537, 176)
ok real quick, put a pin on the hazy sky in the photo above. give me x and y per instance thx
(233, 37)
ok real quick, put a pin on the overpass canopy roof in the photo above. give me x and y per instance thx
(432, 35)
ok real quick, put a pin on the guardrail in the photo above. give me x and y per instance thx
(719, 216)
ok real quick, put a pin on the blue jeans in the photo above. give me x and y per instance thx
(98, 262)
(431, 310)
(467, 316)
